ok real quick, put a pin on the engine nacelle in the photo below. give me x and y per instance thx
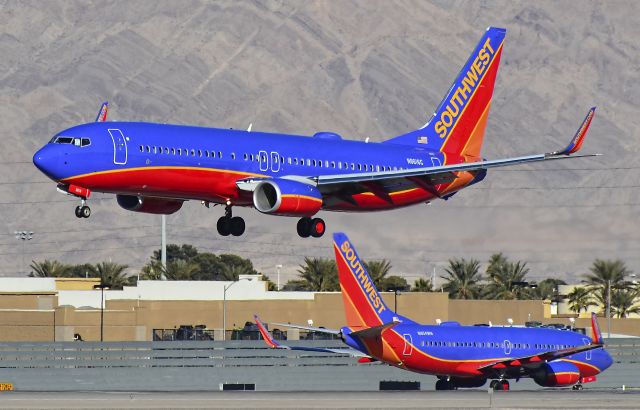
(285, 197)
(557, 374)
(148, 205)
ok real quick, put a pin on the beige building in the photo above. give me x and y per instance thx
(47, 309)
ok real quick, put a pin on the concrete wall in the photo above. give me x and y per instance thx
(31, 316)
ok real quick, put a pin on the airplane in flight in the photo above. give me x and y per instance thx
(460, 356)
(155, 168)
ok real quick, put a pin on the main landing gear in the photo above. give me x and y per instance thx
(577, 387)
(83, 211)
(499, 384)
(230, 225)
(444, 384)
(311, 227)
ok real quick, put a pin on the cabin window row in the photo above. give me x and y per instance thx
(180, 151)
(251, 157)
(434, 343)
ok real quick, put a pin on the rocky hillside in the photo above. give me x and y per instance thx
(363, 69)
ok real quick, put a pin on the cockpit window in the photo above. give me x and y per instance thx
(78, 142)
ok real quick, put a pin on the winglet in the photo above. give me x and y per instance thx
(265, 334)
(102, 114)
(578, 139)
(596, 335)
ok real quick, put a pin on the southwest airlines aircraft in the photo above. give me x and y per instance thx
(460, 356)
(154, 168)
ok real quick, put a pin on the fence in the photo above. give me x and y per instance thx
(201, 366)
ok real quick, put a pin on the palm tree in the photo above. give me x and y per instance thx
(462, 278)
(623, 302)
(505, 281)
(605, 273)
(548, 289)
(179, 269)
(320, 274)
(377, 270)
(111, 274)
(580, 299)
(48, 269)
(422, 285)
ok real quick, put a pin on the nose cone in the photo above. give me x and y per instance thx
(46, 159)
(606, 359)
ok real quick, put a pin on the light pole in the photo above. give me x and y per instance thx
(102, 287)
(224, 308)
(609, 308)
(278, 267)
(23, 236)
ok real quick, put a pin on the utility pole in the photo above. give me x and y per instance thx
(24, 236)
(163, 245)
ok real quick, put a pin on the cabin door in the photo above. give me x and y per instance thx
(119, 146)
(408, 345)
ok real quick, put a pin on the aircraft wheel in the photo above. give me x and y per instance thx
(85, 211)
(441, 385)
(237, 226)
(577, 387)
(317, 227)
(78, 212)
(304, 227)
(496, 385)
(224, 226)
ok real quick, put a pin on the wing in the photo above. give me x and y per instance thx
(275, 345)
(445, 173)
(538, 358)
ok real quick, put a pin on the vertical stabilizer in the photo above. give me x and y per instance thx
(459, 122)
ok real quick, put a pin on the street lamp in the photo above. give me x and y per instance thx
(224, 307)
(102, 287)
(278, 267)
(609, 308)
(23, 236)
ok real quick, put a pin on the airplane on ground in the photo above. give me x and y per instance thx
(154, 168)
(460, 356)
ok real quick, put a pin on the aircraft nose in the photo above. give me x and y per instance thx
(44, 159)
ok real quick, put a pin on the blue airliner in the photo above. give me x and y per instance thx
(154, 168)
(460, 356)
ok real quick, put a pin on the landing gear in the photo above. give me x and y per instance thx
(577, 387)
(83, 211)
(230, 225)
(311, 227)
(444, 384)
(499, 384)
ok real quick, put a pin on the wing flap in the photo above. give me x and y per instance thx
(528, 361)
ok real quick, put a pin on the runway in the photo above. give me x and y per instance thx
(547, 399)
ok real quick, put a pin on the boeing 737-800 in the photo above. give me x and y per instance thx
(155, 168)
(460, 356)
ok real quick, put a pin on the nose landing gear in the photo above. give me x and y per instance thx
(230, 225)
(83, 211)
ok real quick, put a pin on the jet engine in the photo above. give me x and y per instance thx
(286, 197)
(148, 205)
(556, 374)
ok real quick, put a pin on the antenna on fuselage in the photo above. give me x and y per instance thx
(249, 129)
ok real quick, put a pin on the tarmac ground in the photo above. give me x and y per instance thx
(540, 399)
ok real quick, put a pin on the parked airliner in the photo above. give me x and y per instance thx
(154, 168)
(460, 356)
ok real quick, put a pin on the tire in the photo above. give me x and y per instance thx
(237, 226)
(78, 212)
(304, 227)
(85, 211)
(441, 385)
(224, 226)
(317, 227)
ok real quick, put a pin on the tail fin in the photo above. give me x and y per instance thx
(363, 304)
(459, 123)
(102, 114)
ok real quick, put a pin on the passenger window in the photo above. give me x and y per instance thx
(173, 151)
(206, 154)
(85, 142)
(193, 153)
(148, 148)
(233, 155)
(333, 164)
(179, 151)
(245, 156)
(141, 148)
(219, 154)
(199, 153)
